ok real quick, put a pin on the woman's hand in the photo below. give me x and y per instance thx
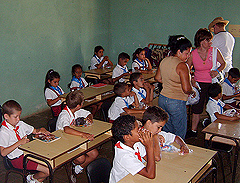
(213, 74)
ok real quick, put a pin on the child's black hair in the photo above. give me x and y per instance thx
(214, 89)
(178, 42)
(9, 106)
(123, 56)
(154, 114)
(137, 52)
(119, 88)
(123, 125)
(134, 77)
(234, 73)
(97, 48)
(51, 75)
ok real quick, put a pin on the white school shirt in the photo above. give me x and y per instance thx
(169, 137)
(118, 71)
(224, 41)
(94, 61)
(8, 137)
(117, 106)
(66, 117)
(126, 161)
(228, 90)
(212, 107)
(137, 64)
(49, 94)
(141, 90)
(76, 84)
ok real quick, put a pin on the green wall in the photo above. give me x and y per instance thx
(138, 22)
(44, 34)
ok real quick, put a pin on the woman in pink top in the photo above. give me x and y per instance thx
(201, 60)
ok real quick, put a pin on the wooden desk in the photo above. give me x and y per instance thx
(68, 147)
(99, 72)
(227, 132)
(176, 168)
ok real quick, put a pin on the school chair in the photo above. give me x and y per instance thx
(51, 124)
(99, 171)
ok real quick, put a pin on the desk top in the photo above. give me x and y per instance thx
(66, 142)
(176, 168)
(224, 128)
(100, 71)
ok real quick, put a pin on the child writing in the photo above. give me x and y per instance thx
(53, 92)
(143, 90)
(78, 83)
(13, 133)
(130, 152)
(154, 118)
(229, 89)
(215, 106)
(98, 61)
(125, 98)
(140, 62)
(66, 119)
(121, 70)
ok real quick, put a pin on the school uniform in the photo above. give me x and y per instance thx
(78, 83)
(141, 65)
(66, 117)
(228, 89)
(169, 137)
(118, 71)
(117, 106)
(95, 60)
(214, 106)
(141, 93)
(9, 136)
(127, 160)
(52, 94)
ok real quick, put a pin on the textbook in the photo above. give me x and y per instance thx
(45, 138)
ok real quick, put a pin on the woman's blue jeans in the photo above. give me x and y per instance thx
(177, 111)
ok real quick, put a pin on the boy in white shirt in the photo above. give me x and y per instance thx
(229, 89)
(133, 148)
(125, 98)
(215, 106)
(143, 90)
(67, 118)
(121, 69)
(154, 118)
(13, 133)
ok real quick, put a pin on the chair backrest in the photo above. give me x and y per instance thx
(52, 124)
(99, 171)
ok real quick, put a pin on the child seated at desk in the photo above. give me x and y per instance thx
(121, 69)
(98, 61)
(133, 148)
(154, 118)
(67, 118)
(125, 98)
(13, 133)
(143, 90)
(53, 92)
(229, 89)
(140, 62)
(78, 83)
(215, 106)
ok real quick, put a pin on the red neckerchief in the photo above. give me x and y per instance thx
(138, 154)
(66, 108)
(15, 129)
(118, 145)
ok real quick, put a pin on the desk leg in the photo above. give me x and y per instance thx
(235, 160)
(40, 159)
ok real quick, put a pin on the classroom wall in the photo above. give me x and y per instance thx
(135, 23)
(44, 34)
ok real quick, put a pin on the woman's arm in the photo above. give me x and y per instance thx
(221, 60)
(158, 76)
(183, 71)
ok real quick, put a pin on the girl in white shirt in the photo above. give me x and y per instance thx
(140, 62)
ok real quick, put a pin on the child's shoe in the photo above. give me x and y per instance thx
(76, 169)
(30, 179)
(191, 134)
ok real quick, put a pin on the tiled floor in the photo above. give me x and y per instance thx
(40, 120)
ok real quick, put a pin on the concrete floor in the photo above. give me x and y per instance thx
(40, 120)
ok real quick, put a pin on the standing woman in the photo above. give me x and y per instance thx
(174, 73)
(201, 60)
